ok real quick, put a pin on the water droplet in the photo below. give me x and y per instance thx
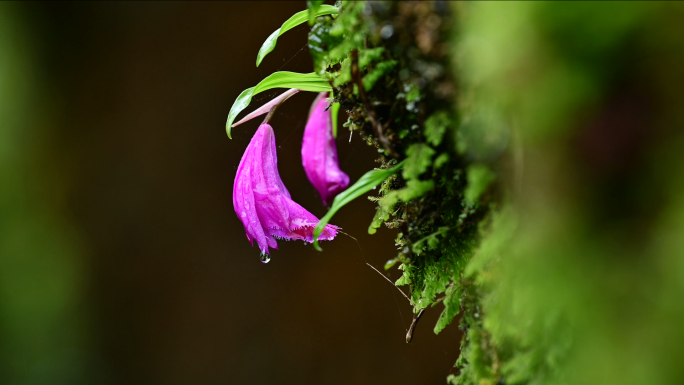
(244, 214)
(247, 205)
(265, 258)
(420, 301)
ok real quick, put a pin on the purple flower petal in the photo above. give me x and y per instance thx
(262, 202)
(319, 153)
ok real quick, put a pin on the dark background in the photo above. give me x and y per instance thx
(133, 103)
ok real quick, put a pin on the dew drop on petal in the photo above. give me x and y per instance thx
(265, 258)
(244, 214)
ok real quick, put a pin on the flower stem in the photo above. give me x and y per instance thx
(278, 101)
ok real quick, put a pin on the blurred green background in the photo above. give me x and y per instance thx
(121, 258)
(582, 274)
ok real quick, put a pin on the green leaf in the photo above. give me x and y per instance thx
(414, 189)
(344, 74)
(390, 263)
(413, 95)
(452, 306)
(479, 178)
(419, 159)
(362, 186)
(378, 72)
(341, 51)
(441, 160)
(296, 19)
(283, 79)
(405, 279)
(370, 55)
(334, 110)
(431, 239)
(312, 7)
(435, 127)
(436, 276)
(382, 214)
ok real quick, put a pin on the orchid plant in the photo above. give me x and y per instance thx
(405, 111)
(260, 198)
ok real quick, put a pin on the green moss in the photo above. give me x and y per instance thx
(437, 203)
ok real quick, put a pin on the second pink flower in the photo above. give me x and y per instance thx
(319, 153)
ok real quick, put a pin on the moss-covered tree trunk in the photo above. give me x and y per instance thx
(540, 195)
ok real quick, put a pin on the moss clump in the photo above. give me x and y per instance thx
(390, 67)
(540, 196)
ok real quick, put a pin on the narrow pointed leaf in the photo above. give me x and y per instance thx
(313, 7)
(240, 104)
(334, 111)
(268, 46)
(283, 79)
(296, 19)
(362, 186)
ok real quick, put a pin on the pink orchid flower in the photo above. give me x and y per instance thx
(262, 202)
(319, 153)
